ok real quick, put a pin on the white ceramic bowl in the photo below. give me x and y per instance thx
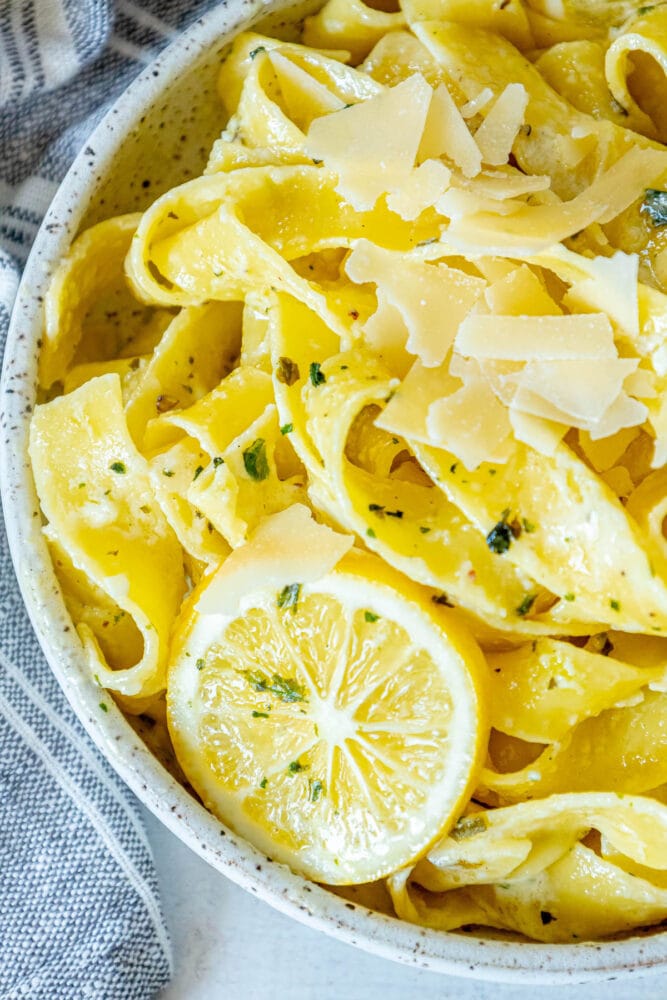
(159, 132)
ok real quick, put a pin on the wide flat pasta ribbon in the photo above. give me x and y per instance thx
(96, 493)
(528, 868)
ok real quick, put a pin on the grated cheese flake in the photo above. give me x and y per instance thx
(446, 134)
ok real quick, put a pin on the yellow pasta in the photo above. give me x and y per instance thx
(370, 476)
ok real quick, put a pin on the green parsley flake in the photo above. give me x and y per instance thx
(614, 604)
(287, 429)
(370, 533)
(264, 782)
(568, 597)
(286, 689)
(255, 52)
(295, 766)
(528, 526)
(118, 467)
(370, 617)
(423, 529)
(255, 461)
(655, 206)
(104, 706)
(259, 715)
(168, 473)
(500, 537)
(526, 605)
(289, 596)
(218, 461)
(198, 472)
(315, 789)
(317, 377)
(199, 664)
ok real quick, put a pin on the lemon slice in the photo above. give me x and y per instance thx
(337, 725)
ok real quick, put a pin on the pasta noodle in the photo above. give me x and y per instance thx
(419, 293)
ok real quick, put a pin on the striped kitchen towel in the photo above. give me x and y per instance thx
(79, 908)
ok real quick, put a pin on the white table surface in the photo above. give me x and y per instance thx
(230, 946)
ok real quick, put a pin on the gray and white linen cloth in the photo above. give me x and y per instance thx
(80, 914)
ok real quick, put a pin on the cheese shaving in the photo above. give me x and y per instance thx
(497, 133)
(287, 547)
(446, 134)
(372, 145)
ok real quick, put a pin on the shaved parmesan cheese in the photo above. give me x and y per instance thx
(432, 299)
(583, 391)
(372, 145)
(420, 190)
(495, 136)
(405, 413)
(542, 435)
(520, 293)
(446, 134)
(641, 384)
(287, 547)
(508, 183)
(623, 412)
(527, 338)
(457, 203)
(472, 424)
(386, 334)
(611, 288)
(303, 96)
(537, 227)
(471, 108)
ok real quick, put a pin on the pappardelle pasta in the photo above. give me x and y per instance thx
(353, 452)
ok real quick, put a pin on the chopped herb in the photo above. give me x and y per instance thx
(199, 663)
(526, 604)
(295, 766)
(118, 467)
(172, 215)
(260, 715)
(255, 52)
(370, 533)
(442, 599)
(218, 461)
(287, 689)
(376, 508)
(499, 538)
(104, 706)
(426, 243)
(423, 529)
(394, 513)
(468, 826)
(492, 472)
(614, 604)
(568, 597)
(289, 596)
(546, 917)
(655, 206)
(315, 789)
(370, 617)
(198, 472)
(287, 428)
(81, 486)
(317, 377)
(287, 371)
(264, 782)
(454, 467)
(255, 460)
(646, 10)
(527, 525)
(168, 473)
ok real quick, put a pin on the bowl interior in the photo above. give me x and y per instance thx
(158, 134)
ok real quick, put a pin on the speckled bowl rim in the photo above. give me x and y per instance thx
(456, 954)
